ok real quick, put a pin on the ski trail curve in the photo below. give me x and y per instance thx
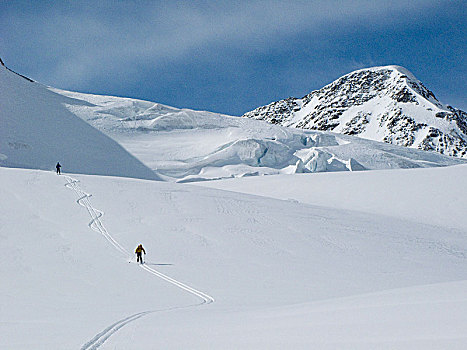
(207, 299)
(101, 337)
(95, 214)
(97, 225)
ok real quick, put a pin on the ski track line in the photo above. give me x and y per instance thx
(100, 338)
(96, 225)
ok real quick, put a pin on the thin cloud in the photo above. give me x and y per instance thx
(86, 42)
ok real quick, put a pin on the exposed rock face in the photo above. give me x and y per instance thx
(383, 104)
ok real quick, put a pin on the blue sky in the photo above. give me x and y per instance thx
(231, 56)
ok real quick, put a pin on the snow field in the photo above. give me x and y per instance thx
(434, 196)
(58, 275)
(283, 273)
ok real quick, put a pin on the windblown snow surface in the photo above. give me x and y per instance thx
(229, 270)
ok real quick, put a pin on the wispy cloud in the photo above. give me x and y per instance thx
(86, 41)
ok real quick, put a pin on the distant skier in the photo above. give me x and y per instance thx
(58, 166)
(139, 253)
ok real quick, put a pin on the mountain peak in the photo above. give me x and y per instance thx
(392, 67)
(386, 103)
(398, 82)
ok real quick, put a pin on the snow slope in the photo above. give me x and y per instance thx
(36, 131)
(282, 273)
(433, 196)
(185, 145)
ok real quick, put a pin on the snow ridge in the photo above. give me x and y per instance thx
(386, 104)
(37, 130)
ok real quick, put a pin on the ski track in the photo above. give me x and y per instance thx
(101, 337)
(96, 225)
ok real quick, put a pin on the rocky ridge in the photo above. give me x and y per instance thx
(385, 104)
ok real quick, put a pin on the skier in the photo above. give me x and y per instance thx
(139, 253)
(58, 166)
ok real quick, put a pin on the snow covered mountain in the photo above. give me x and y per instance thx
(42, 125)
(185, 145)
(386, 104)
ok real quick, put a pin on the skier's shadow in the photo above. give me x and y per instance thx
(154, 264)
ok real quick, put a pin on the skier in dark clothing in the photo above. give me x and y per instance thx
(58, 166)
(139, 253)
